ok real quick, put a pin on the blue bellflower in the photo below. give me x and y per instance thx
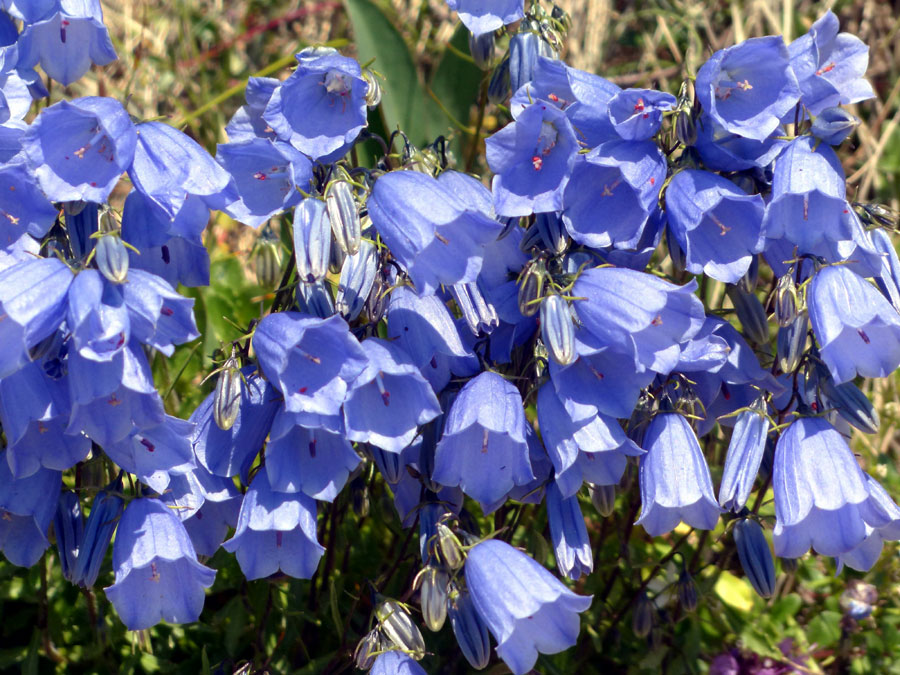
(158, 577)
(24, 210)
(526, 609)
(248, 123)
(395, 662)
(637, 114)
(866, 554)
(574, 557)
(27, 506)
(486, 16)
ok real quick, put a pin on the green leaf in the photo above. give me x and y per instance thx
(785, 607)
(456, 84)
(735, 592)
(824, 630)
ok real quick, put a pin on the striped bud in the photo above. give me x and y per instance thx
(479, 314)
(642, 615)
(553, 232)
(751, 314)
(357, 277)
(315, 299)
(482, 49)
(448, 545)
(373, 93)
(745, 452)
(792, 343)
(112, 258)
(751, 276)
(344, 216)
(98, 531)
(531, 287)
(470, 631)
(531, 238)
(603, 497)
(227, 401)
(687, 591)
(432, 583)
(786, 301)
(267, 261)
(498, 87)
(312, 240)
(849, 402)
(558, 329)
(755, 555)
(368, 649)
(398, 627)
(68, 524)
(676, 253)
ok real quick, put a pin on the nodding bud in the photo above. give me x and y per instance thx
(676, 253)
(449, 547)
(643, 615)
(833, 125)
(751, 314)
(398, 627)
(357, 278)
(558, 329)
(744, 455)
(849, 402)
(68, 524)
(312, 240)
(561, 17)
(787, 305)
(686, 119)
(603, 497)
(344, 216)
(373, 93)
(792, 343)
(687, 591)
(315, 299)
(498, 87)
(470, 631)
(553, 232)
(267, 262)
(433, 584)
(479, 314)
(755, 555)
(368, 649)
(112, 258)
(531, 287)
(227, 401)
(482, 49)
(98, 531)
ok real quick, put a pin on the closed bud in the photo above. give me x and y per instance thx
(849, 402)
(344, 216)
(376, 302)
(498, 87)
(603, 497)
(373, 93)
(479, 314)
(751, 276)
(312, 240)
(558, 329)
(470, 631)
(786, 301)
(315, 299)
(524, 49)
(357, 278)
(227, 401)
(390, 464)
(432, 583)
(82, 221)
(642, 615)
(745, 453)
(833, 125)
(482, 49)
(687, 591)
(449, 546)
(553, 232)
(561, 16)
(98, 531)
(531, 238)
(686, 118)
(676, 253)
(398, 627)
(531, 287)
(112, 258)
(336, 260)
(792, 343)
(755, 556)
(267, 261)
(368, 649)
(788, 565)
(68, 525)
(751, 314)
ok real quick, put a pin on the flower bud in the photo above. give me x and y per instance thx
(849, 402)
(82, 220)
(687, 591)
(98, 531)
(786, 301)
(398, 627)
(833, 125)
(312, 240)
(676, 253)
(448, 545)
(433, 586)
(603, 497)
(68, 525)
(112, 258)
(368, 649)
(482, 49)
(751, 314)
(751, 276)
(745, 452)
(470, 631)
(524, 50)
(267, 262)
(478, 313)
(686, 119)
(344, 216)
(531, 238)
(315, 299)
(558, 329)
(373, 93)
(498, 87)
(642, 615)
(531, 287)
(553, 232)
(227, 401)
(755, 556)
(792, 343)
(357, 277)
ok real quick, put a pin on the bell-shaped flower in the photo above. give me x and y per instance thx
(23, 207)
(716, 224)
(640, 314)
(574, 557)
(527, 609)
(749, 87)
(314, 461)
(275, 531)
(30, 11)
(321, 108)
(248, 123)
(532, 159)
(481, 16)
(169, 165)
(435, 236)
(78, 149)
(68, 41)
(267, 177)
(311, 361)
(637, 114)
(483, 449)
(866, 554)
(742, 460)
(830, 66)
(821, 496)
(722, 150)
(158, 577)
(395, 662)
(834, 125)
(152, 453)
(621, 179)
(106, 509)
(389, 400)
(27, 506)
(675, 481)
(857, 328)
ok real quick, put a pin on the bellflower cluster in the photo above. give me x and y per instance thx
(463, 351)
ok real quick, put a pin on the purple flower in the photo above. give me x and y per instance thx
(158, 577)
(830, 66)
(396, 663)
(275, 531)
(525, 607)
(27, 506)
(248, 123)
(78, 149)
(749, 87)
(321, 108)
(821, 496)
(574, 557)
(864, 556)
(23, 207)
(483, 448)
(486, 16)
(857, 328)
(675, 481)
(637, 113)
(716, 224)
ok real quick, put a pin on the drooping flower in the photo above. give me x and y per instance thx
(574, 557)
(158, 577)
(526, 608)
(24, 210)
(481, 16)
(248, 123)
(744, 455)
(675, 481)
(864, 556)
(637, 113)
(27, 506)
(395, 662)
